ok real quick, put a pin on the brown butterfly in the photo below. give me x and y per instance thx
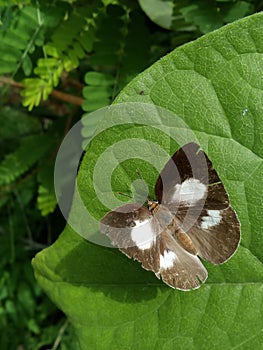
(191, 217)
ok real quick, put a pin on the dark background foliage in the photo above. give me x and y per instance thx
(58, 60)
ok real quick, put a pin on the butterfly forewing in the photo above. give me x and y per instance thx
(127, 226)
(189, 179)
(193, 218)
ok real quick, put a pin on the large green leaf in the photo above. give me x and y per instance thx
(214, 84)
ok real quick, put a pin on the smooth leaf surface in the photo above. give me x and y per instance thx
(215, 85)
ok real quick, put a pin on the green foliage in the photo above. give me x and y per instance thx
(32, 148)
(93, 50)
(21, 34)
(118, 54)
(194, 16)
(111, 301)
(98, 90)
(46, 199)
(70, 41)
(27, 156)
(24, 309)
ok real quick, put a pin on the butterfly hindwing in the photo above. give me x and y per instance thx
(215, 233)
(179, 268)
(156, 249)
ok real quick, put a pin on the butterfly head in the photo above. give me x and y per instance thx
(152, 204)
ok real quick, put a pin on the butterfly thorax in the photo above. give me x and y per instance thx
(152, 205)
(170, 223)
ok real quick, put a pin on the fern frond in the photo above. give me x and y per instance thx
(75, 36)
(31, 150)
(46, 200)
(25, 30)
(15, 124)
(35, 90)
(98, 92)
(118, 54)
(72, 39)
(135, 54)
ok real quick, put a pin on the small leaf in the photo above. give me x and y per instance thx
(46, 201)
(160, 12)
(238, 10)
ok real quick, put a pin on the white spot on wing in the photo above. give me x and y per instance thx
(167, 259)
(189, 192)
(212, 219)
(143, 235)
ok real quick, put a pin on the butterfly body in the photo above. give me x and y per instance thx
(169, 222)
(191, 217)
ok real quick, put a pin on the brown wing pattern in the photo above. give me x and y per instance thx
(217, 241)
(165, 256)
(118, 224)
(211, 223)
(190, 162)
(186, 272)
(195, 218)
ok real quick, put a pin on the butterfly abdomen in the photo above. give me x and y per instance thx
(183, 239)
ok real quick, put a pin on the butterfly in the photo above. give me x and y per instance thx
(190, 218)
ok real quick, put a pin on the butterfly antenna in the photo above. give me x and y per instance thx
(124, 194)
